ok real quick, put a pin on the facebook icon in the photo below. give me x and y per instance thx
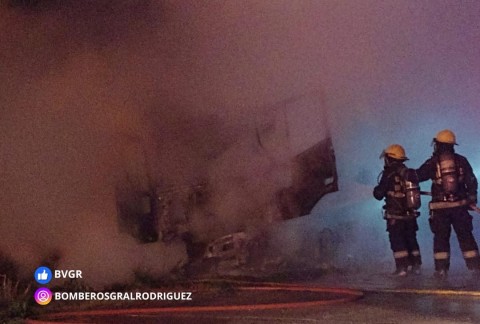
(43, 275)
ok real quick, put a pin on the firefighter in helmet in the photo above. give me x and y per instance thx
(399, 187)
(454, 192)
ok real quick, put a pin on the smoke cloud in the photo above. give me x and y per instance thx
(88, 89)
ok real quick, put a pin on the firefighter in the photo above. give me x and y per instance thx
(399, 212)
(454, 192)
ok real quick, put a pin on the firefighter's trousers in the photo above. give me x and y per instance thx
(441, 223)
(403, 242)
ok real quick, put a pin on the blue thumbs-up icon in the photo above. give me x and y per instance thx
(43, 275)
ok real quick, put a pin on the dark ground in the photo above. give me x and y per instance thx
(415, 299)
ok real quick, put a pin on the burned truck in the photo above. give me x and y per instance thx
(280, 167)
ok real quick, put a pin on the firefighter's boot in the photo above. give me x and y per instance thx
(400, 272)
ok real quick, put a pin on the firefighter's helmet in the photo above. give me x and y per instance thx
(394, 151)
(446, 136)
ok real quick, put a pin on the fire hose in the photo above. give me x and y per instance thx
(341, 295)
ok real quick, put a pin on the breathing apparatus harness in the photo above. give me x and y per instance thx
(449, 176)
(406, 193)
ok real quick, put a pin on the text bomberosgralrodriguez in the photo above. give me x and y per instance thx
(152, 296)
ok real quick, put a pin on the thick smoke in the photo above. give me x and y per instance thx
(86, 86)
(67, 109)
(100, 89)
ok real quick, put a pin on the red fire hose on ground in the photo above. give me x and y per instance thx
(341, 295)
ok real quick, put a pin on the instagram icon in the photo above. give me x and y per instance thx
(43, 296)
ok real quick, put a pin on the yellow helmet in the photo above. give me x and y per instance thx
(446, 136)
(394, 151)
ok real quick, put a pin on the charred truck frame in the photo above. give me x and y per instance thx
(293, 132)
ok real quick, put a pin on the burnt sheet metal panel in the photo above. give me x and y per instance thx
(314, 175)
(295, 132)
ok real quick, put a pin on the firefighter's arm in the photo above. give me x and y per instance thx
(380, 190)
(426, 170)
